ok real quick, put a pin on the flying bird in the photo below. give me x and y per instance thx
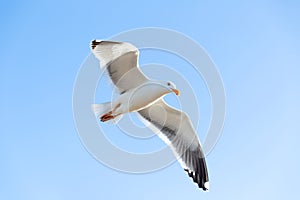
(140, 94)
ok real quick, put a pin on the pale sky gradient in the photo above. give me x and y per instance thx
(255, 46)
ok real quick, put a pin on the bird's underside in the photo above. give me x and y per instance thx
(174, 127)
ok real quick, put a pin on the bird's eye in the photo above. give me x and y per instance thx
(169, 83)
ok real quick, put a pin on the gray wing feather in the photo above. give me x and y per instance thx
(121, 61)
(177, 130)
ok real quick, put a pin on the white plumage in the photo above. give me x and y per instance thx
(140, 94)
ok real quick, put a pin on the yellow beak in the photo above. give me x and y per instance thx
(176, 92)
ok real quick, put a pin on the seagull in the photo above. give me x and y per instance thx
(140, 94)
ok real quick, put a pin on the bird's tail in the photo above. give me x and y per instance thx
(102, 109)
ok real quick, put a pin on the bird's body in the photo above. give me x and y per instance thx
(140, 98)
(140, 94)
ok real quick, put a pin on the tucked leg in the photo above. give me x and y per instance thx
(106, 117)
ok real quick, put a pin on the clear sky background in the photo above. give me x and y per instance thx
(255, 45)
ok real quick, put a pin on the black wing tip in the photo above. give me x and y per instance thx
(94, 43)
(200, 181)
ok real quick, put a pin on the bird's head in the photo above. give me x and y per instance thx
(171, 87)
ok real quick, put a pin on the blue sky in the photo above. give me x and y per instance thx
(255, 46)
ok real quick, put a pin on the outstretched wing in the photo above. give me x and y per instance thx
(176, 129)
(121, 61)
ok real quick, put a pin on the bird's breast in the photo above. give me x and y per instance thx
(140, 98)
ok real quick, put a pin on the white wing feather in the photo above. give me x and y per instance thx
(121, 61)
(176, 129)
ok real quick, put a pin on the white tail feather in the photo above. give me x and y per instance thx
(101, 109)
